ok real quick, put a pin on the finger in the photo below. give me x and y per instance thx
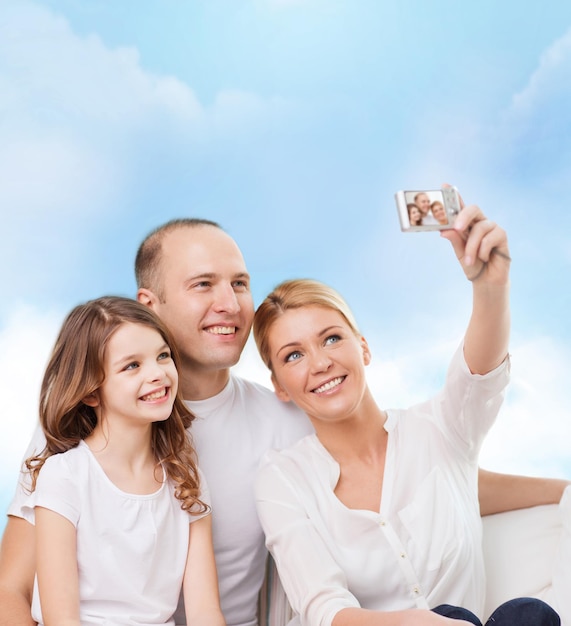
(457, 241)
(468, 217)
(485, 237)
(480, 241)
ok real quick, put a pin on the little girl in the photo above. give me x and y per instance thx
(120, 511)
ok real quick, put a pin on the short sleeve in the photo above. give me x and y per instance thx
(56, 490)
(22, 494)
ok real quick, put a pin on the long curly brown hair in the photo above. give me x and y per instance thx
(75, 371)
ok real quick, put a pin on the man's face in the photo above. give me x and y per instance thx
(206, 299)
(423, 203)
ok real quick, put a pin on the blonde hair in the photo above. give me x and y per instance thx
(75, 371)
(296, 294)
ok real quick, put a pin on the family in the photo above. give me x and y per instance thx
(423, 212)
(157, 479)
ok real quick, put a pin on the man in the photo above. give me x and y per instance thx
(193, 275)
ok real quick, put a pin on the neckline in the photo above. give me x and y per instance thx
(133, 496)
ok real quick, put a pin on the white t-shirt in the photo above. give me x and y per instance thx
(232, 432)
(423, 548)
(131, 549)
(429, 219)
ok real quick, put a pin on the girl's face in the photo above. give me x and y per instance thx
(318, 362)
(140, 376)
(415, 215)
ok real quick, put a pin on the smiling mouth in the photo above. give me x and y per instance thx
(221, 330)
(329, 385)
(156, 395)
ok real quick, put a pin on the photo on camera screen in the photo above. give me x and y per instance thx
(427, 209)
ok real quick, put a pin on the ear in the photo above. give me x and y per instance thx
(91, 400)
(367, 357)
(281, 393)
(147, 297)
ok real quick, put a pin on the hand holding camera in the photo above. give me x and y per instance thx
(479, 244)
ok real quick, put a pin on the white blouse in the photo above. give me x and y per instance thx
(423, 548)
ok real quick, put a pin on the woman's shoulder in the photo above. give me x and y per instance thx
(305, 448)
(306, 461)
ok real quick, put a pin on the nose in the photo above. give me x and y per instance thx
(155, 373)
(320, 361)
(226, 300)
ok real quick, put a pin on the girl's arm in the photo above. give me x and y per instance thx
(200, 585)
(58, 581)
(481, 247)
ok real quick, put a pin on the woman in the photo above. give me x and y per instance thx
(375, 519)
(439, 212)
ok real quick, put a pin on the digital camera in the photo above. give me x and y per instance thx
(426, 210)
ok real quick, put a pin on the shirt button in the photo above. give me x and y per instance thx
(402, 555)
(415, 590)
(382, 522)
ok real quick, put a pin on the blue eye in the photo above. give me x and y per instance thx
(164, 355)
(132, 366)
(293, 356)
(332, 339)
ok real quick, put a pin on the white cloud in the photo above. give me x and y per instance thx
(61, 76)
(533, 431)
(25, 344)
(79, 120)
(70, 109)
(551, 79)
(534, 129)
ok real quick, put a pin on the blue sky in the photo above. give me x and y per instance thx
(292, 123)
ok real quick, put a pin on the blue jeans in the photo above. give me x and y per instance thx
(517, 612)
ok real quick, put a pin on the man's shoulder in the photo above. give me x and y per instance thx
(287, 422)
(256, 392)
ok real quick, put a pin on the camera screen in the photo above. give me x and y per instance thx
(426, 208)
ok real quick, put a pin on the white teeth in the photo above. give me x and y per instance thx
(329, 385)
(155, 396)
(221, 330)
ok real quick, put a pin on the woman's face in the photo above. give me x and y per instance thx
(318, 362)
(439, 213)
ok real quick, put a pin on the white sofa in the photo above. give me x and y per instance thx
(527, 553)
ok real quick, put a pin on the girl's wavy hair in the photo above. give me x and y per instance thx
(76, 370)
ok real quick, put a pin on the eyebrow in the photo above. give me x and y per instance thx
(136, 356)
(214, 275)
(294, 344)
